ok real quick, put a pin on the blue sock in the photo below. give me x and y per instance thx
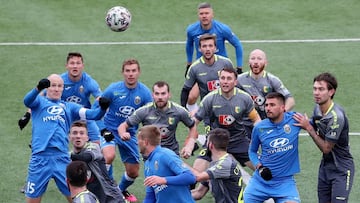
(110, 171)
(125, 182)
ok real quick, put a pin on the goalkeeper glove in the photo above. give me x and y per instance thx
(265, 173)
(239, 70)
(43, 83)
(108, 136)
(24, 120)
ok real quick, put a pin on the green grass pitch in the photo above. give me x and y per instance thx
(295, 62)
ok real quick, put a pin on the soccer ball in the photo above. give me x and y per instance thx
(118, 18)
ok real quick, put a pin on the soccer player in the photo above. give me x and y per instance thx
(207, 25)
(329, 129)
(205, 70)
(51, 123)
(99, 182)
(277, 137)
(167, 178)
(166, 115)
(258, 83)
(226, 107)
(126, 96)
(76, 178)
(78, 88)
(224, 171)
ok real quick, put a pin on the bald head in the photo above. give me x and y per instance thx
(257, 61)
(56, 87)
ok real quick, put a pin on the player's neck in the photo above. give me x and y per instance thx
(257, 75)
(216, 155)
(325, 106)
(75, 78)
(77, 190)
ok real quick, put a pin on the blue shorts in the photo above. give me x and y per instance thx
(104, 144)
(281, 189)
(128, 150)
(93, 131)
(42, 168)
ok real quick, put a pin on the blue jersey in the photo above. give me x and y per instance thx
(164, 162)
(279, 146)
(51, 120)
(80, 91)
(222, 32)
(124, 101)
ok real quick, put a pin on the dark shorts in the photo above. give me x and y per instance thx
(334, 185)
(242, 158)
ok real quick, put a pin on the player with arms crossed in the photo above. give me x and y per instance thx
(166, 115)
(278, 162)
(329, 129)
(207, 25)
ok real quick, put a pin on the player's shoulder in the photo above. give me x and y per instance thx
(271, 76)
(177, 106)
(220, 25)
(193, 27)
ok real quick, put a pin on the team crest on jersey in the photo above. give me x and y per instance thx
(137, 100)
(287, 128)
(237, 109)
(226, 120)
(81, 89)
(171, 120)
(156, 165)
(266, 89)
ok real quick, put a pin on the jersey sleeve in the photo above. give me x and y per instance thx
(278, 86)
(189, 47)
(234, 40)
(335, 126)
(254, 146)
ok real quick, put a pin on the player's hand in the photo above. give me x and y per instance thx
(185, 152)
(43, 83)
(108, 136)
(154, 180)
(187, 68)
(125, 136)
(265, 173)
(104, 103)
(239, 70)
(24, 120)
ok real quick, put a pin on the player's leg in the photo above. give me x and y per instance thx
(285, 190)
(59, 164)
(341, 184)
(39, 174)
(130, 156)
(243, 159)
(193, 96)
(108, 150)
(93, 131)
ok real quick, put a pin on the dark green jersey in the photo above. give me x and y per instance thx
(206, 76)
(167, 121)
(225, 179)
(228, 114)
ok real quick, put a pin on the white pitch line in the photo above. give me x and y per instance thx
(170, 42)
